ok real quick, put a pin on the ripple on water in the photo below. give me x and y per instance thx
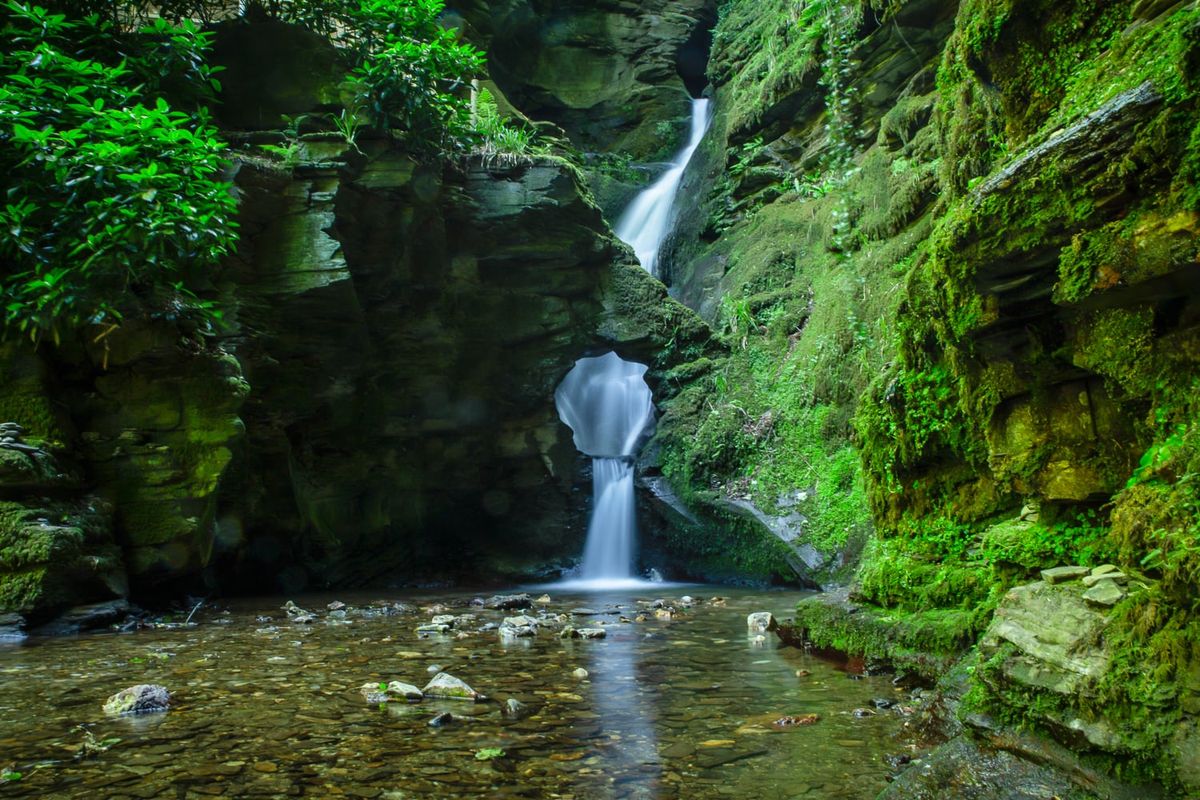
(670, 708)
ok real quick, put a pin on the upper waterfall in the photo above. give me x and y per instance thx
(647, 221)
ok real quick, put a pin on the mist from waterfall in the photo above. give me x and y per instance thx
(648, 219)
(608, 406)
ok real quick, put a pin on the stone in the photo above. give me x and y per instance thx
(431, 628)
(568, 633)
(1105, 569)
(1063, 574)
(375, 693)
(444, 719)
(519, 626)
(505, 602)
(443, 619)
(1117, 577)
(543, 600)
(143, 698)
(446, 686)
(1056, 634)
(580, 673)
(1106, 593)
(761, 622)
(592, 633)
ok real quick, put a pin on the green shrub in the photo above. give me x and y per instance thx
(113, 192)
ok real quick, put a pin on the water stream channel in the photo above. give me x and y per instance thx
(262, 707)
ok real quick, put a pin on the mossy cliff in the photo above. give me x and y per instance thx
(953, 249)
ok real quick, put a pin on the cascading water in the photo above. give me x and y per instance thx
(648, 219)
(607, 404)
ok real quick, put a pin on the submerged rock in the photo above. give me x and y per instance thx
(515, 709)
(761, 622)
(580, 673)
(143, 698)
(447, 686)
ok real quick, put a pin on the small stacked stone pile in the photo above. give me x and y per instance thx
(11, 438)
(1105, 583)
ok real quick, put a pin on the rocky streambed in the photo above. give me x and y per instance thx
(678, 698)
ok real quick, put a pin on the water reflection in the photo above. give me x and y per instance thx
(627, 705)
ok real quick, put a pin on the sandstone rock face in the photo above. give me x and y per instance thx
(614, 74)
(1056, 636)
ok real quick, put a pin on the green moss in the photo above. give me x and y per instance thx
(765, 51)
(29, 590)
(927, 643)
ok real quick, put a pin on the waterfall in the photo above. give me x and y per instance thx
(648, 219)
(608, 406)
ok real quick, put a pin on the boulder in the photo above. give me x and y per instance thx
(505, 602)
(143, 698)
(761, 622)
(519, 626)
(448, 687)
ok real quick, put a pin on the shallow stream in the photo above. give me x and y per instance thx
(671, 708)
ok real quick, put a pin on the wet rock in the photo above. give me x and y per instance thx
(664, 613)
(445, 719)
(449, 687)
(584, 612)
(883, 702)
(1105, 594)
(89, 617)
(580, 673)
(505, 602)
(336, 605)
(568, 633)
(543, 600)
(375, 693)
(443, 619)
(761, 622)
(687, 601)
(143, 698)
(12, 627)
(1063, 574)
(592, 633)
(432, 628)
(864, 712)
(297, 614)
(519, 626)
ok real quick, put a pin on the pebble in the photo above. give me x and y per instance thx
(580, 673)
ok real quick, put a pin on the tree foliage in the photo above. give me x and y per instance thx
(114, 194)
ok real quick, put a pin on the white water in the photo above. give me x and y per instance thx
(648, 219)
(607, 404)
